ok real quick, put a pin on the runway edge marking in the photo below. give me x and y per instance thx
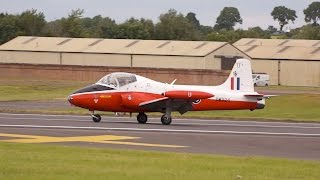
(207, 124)
(160, 130)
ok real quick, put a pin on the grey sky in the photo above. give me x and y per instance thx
(253, 12)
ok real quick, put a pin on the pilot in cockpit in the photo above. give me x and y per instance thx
(112, 81)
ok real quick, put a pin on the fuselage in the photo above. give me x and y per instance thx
(115, 96)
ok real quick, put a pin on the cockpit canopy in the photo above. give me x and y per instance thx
(117, 79)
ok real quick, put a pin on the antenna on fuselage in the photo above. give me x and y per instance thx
(172, 83)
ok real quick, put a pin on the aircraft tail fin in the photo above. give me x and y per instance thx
(240, 78)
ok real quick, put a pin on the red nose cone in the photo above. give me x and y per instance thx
(81, 100)
(70, 99)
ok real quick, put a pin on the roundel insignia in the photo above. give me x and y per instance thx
(96, 98)
(196, 101)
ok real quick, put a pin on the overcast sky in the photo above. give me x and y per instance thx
(253, 12)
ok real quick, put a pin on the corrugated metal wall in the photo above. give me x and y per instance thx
(289, 72)
(300, 73)
(85, 59)
(26, 57)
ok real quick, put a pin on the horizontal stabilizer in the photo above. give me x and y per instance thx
(254, 95)
(269, 96)
(260, 96)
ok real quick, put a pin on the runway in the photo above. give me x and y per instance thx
(240, 138)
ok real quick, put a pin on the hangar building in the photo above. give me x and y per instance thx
(288, 62)
(120, 53)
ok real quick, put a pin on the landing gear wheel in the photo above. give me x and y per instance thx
(166, 120)
(142, 118)
(96, 117)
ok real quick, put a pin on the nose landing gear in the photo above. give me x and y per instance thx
(95, 117)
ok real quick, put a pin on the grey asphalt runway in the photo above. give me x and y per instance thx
(240, 138)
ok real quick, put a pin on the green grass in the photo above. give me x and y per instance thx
(289, 88)
(32, 161)
(15, 90)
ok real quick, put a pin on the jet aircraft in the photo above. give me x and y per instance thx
(126, 92)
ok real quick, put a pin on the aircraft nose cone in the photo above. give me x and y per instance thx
(70, 99)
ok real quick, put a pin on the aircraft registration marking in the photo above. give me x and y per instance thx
(105, 139)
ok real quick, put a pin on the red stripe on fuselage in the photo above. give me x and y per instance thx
(211, 104)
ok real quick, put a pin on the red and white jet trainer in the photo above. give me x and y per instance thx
(125, 92)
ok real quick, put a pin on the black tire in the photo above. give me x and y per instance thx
(96, 118)
(142, 118)
(165, 120)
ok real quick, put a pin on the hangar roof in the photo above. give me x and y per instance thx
(287, 49)
(112, 46)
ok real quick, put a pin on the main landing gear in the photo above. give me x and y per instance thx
(166, 119)
(142, 118)
(95, 117)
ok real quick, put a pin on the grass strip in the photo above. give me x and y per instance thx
(34, 161)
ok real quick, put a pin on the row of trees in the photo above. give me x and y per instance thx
(172, 26)
(229, 16)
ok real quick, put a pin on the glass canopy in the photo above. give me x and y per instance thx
(118, 79)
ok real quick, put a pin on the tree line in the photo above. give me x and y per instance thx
(172, 25)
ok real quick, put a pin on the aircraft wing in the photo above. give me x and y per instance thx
(180, 101)
(154, 104)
